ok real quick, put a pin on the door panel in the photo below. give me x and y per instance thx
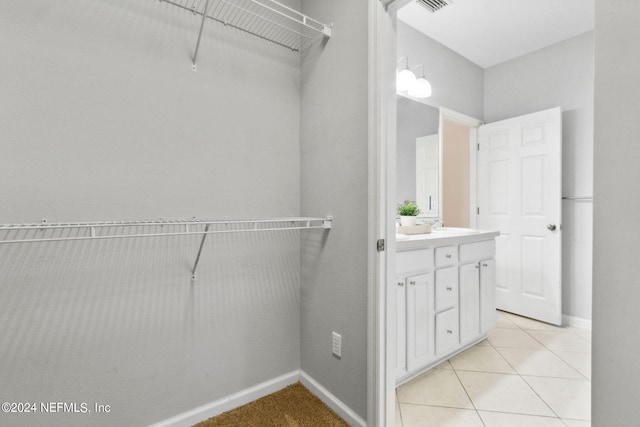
(469, 302)
(401, 328)
(487, 295)
(519, 194)
(419, 321)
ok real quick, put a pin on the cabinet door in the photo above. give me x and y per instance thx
(469, 302)
(419, 321)
(401, 327)
(487, 294)
(447, 336)
(446, 288)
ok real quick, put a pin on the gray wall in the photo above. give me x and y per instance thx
(101, 118)
(457, 83)
(616, 294)
(414, 120)
(559, 75)
(334, 165)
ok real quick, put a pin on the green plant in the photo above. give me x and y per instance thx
(408, 208)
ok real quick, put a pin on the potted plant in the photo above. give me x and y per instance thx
(408, 212)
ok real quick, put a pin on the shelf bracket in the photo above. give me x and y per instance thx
(195, 264)
(194, 66)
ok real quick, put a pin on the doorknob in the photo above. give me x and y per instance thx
(551, 227)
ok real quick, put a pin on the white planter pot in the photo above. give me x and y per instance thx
(407, 220)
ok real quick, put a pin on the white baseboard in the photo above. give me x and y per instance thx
(232, 401)
(331, 401)
(578, 322)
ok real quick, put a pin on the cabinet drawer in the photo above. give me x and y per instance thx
(446, 255)
(477, 250)
(446, 288)
(418, 260)
(447, 336)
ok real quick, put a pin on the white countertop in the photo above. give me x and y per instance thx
(440, 238)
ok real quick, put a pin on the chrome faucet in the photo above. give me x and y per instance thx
(437, 223)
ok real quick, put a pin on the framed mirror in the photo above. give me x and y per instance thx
(418, 156)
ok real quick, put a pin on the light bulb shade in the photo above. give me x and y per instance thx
(405, 80)
(421, 88)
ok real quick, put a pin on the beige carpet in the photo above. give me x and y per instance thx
(294, 406)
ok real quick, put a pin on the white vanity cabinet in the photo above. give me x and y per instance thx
(414, 308)
(445, 298)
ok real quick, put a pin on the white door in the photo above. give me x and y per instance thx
(401, 328)
(419, 321)
(487, 294)
(519, 194)
(469, 302)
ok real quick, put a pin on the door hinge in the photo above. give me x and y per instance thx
(380, 245)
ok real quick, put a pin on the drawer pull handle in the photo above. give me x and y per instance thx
(448, 256)
(485, 265)
(449, 288)
(478, 266)
(449, 331)
(400, 283)
(412, 283)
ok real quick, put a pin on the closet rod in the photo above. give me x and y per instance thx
(93, 230)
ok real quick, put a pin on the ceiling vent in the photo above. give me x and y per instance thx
(433, 5)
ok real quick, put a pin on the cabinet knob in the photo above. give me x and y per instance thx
(551, 227)
(449, 331)
(448, 256)
(400, 283)
(412, 283)
(449, 288)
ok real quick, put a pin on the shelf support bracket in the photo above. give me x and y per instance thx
(194, 66)
(195, 264)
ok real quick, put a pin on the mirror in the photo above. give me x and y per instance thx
(418, 155)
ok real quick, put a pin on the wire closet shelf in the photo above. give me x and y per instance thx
(45, 232)
(50, 232)
(267, 19)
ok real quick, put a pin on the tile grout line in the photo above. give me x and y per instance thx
(527, 383)
(467, 393)
(399, 408)
(554, 353)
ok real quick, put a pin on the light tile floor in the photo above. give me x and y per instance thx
(526, 374)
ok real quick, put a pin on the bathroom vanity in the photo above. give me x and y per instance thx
(445, 296)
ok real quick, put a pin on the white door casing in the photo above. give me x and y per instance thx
(519, 194)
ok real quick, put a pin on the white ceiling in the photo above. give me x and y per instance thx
(488, 32)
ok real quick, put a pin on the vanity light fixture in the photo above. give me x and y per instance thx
(421, 88)
(405, 79)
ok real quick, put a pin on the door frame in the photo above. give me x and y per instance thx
(381, 184)
(382, 19)
(472, 124)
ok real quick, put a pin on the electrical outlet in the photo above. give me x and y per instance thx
(337, 344)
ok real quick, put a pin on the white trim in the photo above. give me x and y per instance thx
(397, 4)
(473, 178)
(232, 401)
(331, 401)
(472, 124)
(235, 400)
(460, 118)
(381, 211)
(577, 322)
